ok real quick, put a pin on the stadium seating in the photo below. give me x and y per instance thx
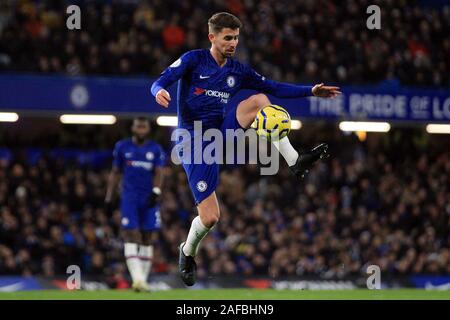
(285, 40)
(371, 203)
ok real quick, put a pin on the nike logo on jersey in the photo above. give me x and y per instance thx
(204, 77)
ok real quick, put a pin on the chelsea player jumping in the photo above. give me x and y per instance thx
(140, 160)
(207, 80)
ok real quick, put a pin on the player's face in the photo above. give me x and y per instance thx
(140, 129)
(226, 41)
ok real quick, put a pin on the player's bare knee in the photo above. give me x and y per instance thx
(131, 236)
(260, 100)
(210, 220)
(209, 215)
(126, 236)
(147, 238)
(208, 211)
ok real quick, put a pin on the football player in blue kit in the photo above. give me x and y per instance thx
(207, 78)
(140, 161)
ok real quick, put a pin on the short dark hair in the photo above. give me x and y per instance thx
(223, 20)
(141, 119)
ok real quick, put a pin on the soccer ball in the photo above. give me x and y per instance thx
(272, 122)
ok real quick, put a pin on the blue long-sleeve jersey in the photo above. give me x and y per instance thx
(138, 163)
(204, 88)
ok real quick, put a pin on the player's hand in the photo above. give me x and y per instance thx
(163, 98)
(154, 198)
(319, 90)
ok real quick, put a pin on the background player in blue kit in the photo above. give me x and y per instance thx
(140, 161)
(207, 81)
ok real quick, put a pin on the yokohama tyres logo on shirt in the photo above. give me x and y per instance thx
(224, 96)
(142, 164)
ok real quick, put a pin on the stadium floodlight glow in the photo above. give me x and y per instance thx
(296, 124)
(8, 117)
(167, 121)
(438, 128)
(87, 119)
(364, 126)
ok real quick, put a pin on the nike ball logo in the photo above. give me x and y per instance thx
(204, 77)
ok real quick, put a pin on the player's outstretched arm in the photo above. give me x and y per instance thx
(173, 73)
(322, 91)
(163, 97)
(254, 80)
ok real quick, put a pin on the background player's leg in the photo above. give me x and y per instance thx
(246, 114)
(132, 241)
(208, 216)
(150, 223)
(146, 252)
(132, 238)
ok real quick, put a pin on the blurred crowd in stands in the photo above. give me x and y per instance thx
(294, 41)
(383, 201)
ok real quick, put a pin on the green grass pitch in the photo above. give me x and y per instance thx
(230, 294)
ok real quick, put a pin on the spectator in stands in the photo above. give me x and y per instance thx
(369, 205)
(286, 40)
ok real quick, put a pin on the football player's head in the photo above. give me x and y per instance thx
(140, 128)
(224, 33)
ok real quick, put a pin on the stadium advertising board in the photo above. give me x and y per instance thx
(168, 282)
(132, 95)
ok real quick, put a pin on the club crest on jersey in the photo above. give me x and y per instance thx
(231, 81)
(201, 186)
(149, 155)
